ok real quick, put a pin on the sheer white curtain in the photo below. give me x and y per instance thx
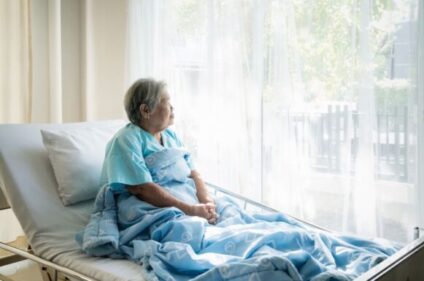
(191, 45)
(345, 156)
(418, 126)
(304, 105)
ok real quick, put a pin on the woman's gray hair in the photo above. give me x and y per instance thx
(143, 91)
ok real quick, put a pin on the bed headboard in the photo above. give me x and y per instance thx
(30, 186)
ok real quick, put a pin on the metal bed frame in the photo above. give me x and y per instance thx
(392, 268)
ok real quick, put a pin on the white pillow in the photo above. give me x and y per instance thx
(76, 155)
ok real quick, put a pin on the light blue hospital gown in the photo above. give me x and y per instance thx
(125, 164)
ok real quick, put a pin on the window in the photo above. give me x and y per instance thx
(308, 106)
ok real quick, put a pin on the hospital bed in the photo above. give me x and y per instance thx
(29, 185)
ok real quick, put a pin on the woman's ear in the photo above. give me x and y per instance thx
(144, 111)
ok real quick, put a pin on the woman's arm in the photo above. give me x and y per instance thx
(202, 192)
(203, 195)
(155, 195)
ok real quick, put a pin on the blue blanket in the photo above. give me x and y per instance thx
(170, 245)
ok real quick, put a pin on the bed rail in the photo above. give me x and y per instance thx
(54, 272)
(246, 202)
(406, 264)
(50, 270)
(403, 265)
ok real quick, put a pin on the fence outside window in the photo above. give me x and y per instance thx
(324, 136)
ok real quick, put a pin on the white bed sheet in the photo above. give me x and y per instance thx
(27, 179)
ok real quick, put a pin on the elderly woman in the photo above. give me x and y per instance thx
(148, 107)
(146, 170)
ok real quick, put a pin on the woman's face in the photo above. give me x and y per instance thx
(163, 115)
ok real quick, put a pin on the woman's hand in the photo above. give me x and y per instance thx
(212, 212)
(206, 211)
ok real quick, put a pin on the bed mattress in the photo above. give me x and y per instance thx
(28, 181)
